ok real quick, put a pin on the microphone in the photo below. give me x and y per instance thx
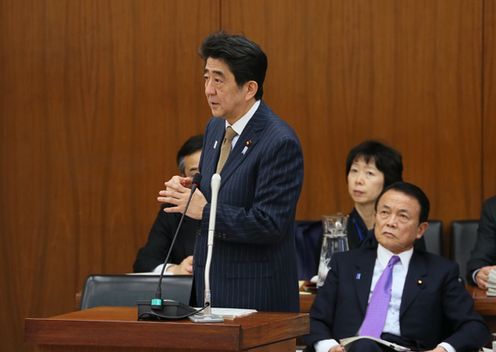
(206, 315)
(159, 308)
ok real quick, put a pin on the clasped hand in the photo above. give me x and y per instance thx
(176, 193)
(482, 277)
(184, 268)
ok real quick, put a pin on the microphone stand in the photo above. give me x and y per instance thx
(159, 308)
(206, 315)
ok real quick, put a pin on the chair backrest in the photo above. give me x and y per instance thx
(126, 290)
(433, 237)
(463, 239)
(308, 237)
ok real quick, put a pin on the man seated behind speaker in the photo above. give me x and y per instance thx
(483, 257)
(151, 257)
(392, 291)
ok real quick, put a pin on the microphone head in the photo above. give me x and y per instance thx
(196, 179)
(215, 182)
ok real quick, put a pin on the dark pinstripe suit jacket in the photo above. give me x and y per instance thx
(254, 258)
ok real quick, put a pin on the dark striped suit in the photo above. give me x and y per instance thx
(254, 258)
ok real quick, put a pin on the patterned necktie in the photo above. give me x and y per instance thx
(226, 148)
(375, 318)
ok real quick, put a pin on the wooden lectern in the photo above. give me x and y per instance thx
(117, 329)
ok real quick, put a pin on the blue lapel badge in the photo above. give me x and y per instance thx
(358, 276)
(215, 144)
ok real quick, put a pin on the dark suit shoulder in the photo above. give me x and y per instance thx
(490, 202)
(489, 208)
(355, 255)
(215, 122)
(432, 257)
(160, 237)
(440, 263)
(276, 126)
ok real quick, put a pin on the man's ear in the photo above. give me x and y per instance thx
(421, 229)
(251, 89)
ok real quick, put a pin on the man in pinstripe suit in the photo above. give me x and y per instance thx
(254, 258)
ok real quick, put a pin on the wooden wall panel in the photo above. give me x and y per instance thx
(489, 101)
(406, 72)
(96, 97)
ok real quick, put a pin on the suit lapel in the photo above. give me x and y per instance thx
(415, 281)
(363, 277)
(246, 142)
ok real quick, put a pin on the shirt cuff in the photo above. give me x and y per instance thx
(474, 274)
(325, 345)
(447, 347)
(158, 269)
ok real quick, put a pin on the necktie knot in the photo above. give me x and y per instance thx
(394, 259)
(226, 147)
(230, 134)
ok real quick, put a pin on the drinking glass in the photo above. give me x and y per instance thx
(334, 240)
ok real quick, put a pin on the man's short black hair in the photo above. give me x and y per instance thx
(413, 191)
(245, 58)
(386, 159)
(192, 145)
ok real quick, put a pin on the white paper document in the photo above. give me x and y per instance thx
(346, 341)
(232, 313)
(394, 346)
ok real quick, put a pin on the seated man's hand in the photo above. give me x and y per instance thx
(185, 268)
(337, 348)
(439, 349)
(483, 276)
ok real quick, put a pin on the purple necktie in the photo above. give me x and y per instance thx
(375, 318)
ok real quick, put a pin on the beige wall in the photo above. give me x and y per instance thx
(96, 97)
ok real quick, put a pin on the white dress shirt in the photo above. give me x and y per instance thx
(240, 125)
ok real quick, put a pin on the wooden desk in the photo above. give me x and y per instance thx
(486, 306)
(306, 301)
(116, 329)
